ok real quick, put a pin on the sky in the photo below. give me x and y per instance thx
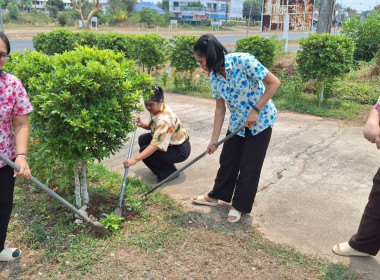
(359, 5)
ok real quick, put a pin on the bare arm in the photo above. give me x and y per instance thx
(144, 154)
(272, 85)
(21, 128)
(371, 130)
(220, 112)
(141, 124)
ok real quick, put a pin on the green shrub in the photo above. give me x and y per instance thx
(181, 54)
(114, 41)
(85, 38)
(324, 57)
(56, 41)
(263, 49)
(366, 35)
(83, 101)
(149, 50)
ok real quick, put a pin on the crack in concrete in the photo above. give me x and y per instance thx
(307, 152)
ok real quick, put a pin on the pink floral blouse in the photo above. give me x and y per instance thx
(377, 105)
(14, 101)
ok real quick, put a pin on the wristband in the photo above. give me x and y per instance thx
(256, 109)
(22, 156)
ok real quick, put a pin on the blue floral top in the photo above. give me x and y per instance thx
(242, 88)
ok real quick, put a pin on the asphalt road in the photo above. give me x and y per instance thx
(21, 45)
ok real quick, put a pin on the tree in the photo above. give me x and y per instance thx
(195, 4)
(255, 6)
(324, 57)
(164, 5)
(366, 35)
(148, 16)
(326, 10)
(58, 3)
(84, 103)
(78, 6)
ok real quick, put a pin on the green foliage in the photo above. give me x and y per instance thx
(56, 41)
(83, 101)
(149, 50)
(148, 16)
(85, 38)
(116, 42)
(366, 35)
(62, 20)
(323, 56)
(13, 12)
(181, 54)
(263, 49)
(111, 222)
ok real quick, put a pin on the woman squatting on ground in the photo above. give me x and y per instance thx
(166, 144)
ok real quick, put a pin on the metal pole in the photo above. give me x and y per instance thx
(249, 17)
(1, 19)
(226, 13)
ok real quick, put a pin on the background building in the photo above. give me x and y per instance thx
(212, 9)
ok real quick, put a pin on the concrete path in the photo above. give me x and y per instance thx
(314, 185)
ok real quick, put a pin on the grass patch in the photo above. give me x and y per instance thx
(159, 241)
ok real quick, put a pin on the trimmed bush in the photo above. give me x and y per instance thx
(324, 57)
(263, 49)
(366, 35)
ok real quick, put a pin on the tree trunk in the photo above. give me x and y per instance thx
(83, 187)
(77, 185)
(322, 91)
(326, 10)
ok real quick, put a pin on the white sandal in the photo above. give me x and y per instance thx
(344, 249)
(234, 213)
(9, 254)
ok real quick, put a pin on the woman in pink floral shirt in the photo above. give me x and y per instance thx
(14, 137)
(166, 144)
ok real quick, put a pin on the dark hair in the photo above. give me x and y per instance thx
(209, 47)
(158, 94)
(6, 41)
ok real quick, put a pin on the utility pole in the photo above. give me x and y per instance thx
(326, 9)
(249, 18)
(226, 13)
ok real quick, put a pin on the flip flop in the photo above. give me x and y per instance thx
(344, 249)
(202, 201)
(234, 213)
(9, 254)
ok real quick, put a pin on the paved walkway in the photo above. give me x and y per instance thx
(314, 185)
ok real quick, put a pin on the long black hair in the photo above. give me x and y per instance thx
(158, 94)
(6, 41)
(209, 47)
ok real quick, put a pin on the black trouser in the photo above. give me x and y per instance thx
(367, 239)
(7, 183)
(240, 162)
(162, 163)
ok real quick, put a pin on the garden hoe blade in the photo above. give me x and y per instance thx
(192, 161)
(96, 226)
(119, 209)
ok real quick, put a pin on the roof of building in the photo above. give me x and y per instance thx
(148, 5)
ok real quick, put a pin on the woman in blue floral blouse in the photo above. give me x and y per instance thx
(237, 81)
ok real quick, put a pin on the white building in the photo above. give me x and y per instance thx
(40, 4)
(213, 8)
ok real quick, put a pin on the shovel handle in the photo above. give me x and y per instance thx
(193, 161)
(126, 169)
(47, 190)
